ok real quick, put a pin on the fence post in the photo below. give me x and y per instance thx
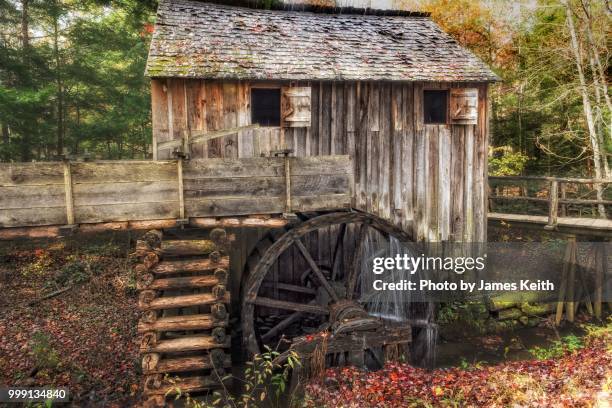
(553, 204)
(563, 190)
(68, 192)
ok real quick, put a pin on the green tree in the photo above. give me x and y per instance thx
(71, 78)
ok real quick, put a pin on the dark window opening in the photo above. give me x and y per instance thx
(265, 106)
(434, 106)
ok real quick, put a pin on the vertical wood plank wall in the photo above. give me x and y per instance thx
(428, 179)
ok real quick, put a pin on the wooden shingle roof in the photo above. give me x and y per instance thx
(203, 40)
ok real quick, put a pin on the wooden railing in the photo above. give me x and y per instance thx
(556, 198)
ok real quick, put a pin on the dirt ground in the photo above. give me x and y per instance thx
(84, 338)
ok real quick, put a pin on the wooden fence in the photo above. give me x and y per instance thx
(70, 193)
(556, 199)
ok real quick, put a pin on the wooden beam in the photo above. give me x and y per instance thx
(317, 271)
(52, 231)
(296, 307)
(204, 135)
(183, 322)
(190, 265)
(559, 179)
(169, 144)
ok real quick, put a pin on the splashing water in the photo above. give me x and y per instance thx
(402, 306)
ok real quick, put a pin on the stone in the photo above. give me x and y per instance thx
(497, 326)
(533, 322)
(508, 314)
(479, 310)
(501, 302)
(537, 309)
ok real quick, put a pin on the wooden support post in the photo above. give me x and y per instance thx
(560, 300)
(563, 189)
(564, 281)
(287, 185)
(587, 297)
(287, 164)
(553, 204)
(181, 191)
(600, 264)
(187, 143)
(571, 279)
(68, 191)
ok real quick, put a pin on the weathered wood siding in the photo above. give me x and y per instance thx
(429, 179)
(216, 187)
(37, 194)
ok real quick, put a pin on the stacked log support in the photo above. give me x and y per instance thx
(184, 304)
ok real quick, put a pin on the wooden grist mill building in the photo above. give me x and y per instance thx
(290, 146)
(392, 91)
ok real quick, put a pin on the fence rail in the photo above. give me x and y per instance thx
(556, 198)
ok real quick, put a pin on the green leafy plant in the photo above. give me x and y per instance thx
(48, 403)
(567, 344)
(505, 162)
(39, 266)
(45, 357)
(447, 314)
(74, 272)
(265, 380)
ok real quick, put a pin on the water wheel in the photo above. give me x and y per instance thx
(309, 278)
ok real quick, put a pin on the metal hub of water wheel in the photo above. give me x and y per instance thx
(349, 316)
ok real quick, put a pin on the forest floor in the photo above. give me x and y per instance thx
(83, 339)
(571, 372)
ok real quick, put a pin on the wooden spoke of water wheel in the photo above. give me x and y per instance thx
(323, 285)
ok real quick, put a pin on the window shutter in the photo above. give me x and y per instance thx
(295, 106)
(464, 106)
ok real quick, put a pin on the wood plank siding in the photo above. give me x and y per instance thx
(428, 179)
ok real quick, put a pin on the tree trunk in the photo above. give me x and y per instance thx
(601, 87)
(25, 49)
(75, 149)
(5, 134)
(59, 82)
(586, 104)
(598, 74)
(25, 31)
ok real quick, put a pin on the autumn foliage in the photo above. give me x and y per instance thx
(575, 380)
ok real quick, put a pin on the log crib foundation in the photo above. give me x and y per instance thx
(184, 303)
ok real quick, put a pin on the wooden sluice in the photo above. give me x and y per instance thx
(47, 199)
